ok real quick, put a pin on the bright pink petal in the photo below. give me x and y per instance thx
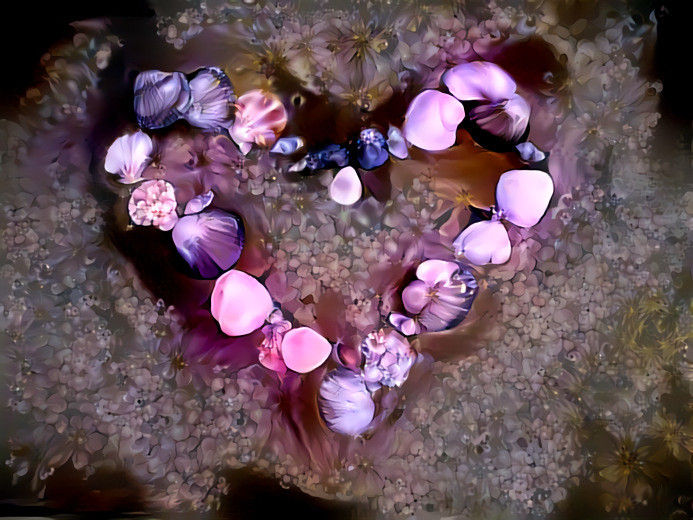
(436, 271)
(240, 303)
(483, 243)
(432, 119)
(260, 118)
(479, 80)
(304, 350)
(523, 196)
(346, 187)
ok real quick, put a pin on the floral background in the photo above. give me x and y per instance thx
(567, 389)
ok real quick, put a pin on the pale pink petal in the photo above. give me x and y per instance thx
(304, 350)
(197, 204)
(479, 80)
(416, 296)
(240, 303)
(436, 271)
(432, 119)
(523, 196)
(483, 243)
(128, 156)
(346, 187)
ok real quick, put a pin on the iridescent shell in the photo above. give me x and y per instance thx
(160, 98)
(211, 105)
(211, 242)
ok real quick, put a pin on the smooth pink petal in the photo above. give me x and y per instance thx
(479, 80)
(304, 350)
(432, 119)
(416, 296)
(240, 303)
(128, 156)
(523, 196)
(346, 187)
(436, 271)
(483, 243)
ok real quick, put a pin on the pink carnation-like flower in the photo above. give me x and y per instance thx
(270, 354)
(260, 118)
(388, 358)
(153, 203)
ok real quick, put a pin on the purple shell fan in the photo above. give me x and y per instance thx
(160, 98)
(211, 100)
(442, 295)
(210, 242)
(345, 402)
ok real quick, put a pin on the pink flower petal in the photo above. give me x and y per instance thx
(416, 296)
(432, 119)
(523, 196)
(260, 118)
(346, 187)
(240, 303)
(304, 350)
(436, 271)
(479, 80)
(483, 243)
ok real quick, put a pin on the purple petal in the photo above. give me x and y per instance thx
(288, 145)
(304, 350)
(404, 324)
(346, 187)
(160, 98)
(523, 196)
(240, 303)
(479, 80)
(507, 119)
(530, 153)
(345, 402)
(416, 296)
(434, 272)
(451, 302)
(210, 242)
(483, 243)
(432, 120)
(197, 204)
(396, 144)
(212, 96)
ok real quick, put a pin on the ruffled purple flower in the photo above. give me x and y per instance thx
(211, 242)
(387, 359)
(442, 295)
(153, 203)
(160, 98)
(128, 156)
(371, 149)
(211, 103)
(345, 402)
